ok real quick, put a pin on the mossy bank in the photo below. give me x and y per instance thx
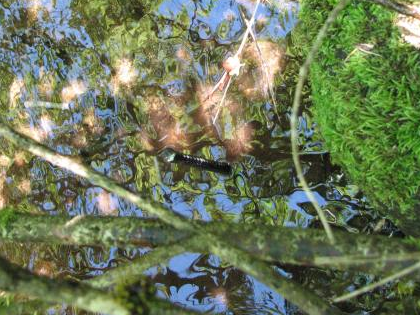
(366, 101)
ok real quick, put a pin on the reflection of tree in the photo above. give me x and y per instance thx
(131, 32)
(227, 286)
(118, 50)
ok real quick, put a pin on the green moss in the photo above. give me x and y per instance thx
(7, 216)
(367, 103)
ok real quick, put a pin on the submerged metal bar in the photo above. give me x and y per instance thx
(171, 156)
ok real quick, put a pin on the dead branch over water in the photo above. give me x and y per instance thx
(15, 279)
(304, 247)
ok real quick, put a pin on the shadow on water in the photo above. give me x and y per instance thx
(114, 82)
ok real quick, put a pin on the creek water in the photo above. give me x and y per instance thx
(115, 82)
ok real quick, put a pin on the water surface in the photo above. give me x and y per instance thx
(114, 83)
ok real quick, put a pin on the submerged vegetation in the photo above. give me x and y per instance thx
(91, 92)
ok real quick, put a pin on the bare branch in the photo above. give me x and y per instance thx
(398, 7)
(15, 279)
(303, 73)
(237, 54)
(137, 267)
(265, 70)
(375, 285)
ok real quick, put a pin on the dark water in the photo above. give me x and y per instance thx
(123, 83)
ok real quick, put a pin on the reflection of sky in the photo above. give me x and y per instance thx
(212, 16)
(264, 301)
(300, 197)
(57, 27)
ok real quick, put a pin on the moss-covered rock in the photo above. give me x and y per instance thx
(366, 101)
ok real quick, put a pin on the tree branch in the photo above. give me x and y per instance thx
(291, 290)
(15, 279)
(137, 267)
(305, 247)
(88, 230)
(398, 7)
(380, 283)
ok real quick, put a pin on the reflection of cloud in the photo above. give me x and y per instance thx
(3, 196)
(126, 74)
(220, 296)
(241, 141)
(46, 124)
(37, 134)
(269, 64)
(16, 90)
(91, 122)
(34, 7)
(25, 186)
(73, 90)
(4, 160)
(106, 204)
(37, 6)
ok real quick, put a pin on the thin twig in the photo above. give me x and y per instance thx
(265, 71)
(135, 269)
(303, 73)
(375, 285)
(219, 107)
(222, 79)
(398, 7)
(73, 221)
(238, 52)
(248, 30)
(42, 104)
(354, 260)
